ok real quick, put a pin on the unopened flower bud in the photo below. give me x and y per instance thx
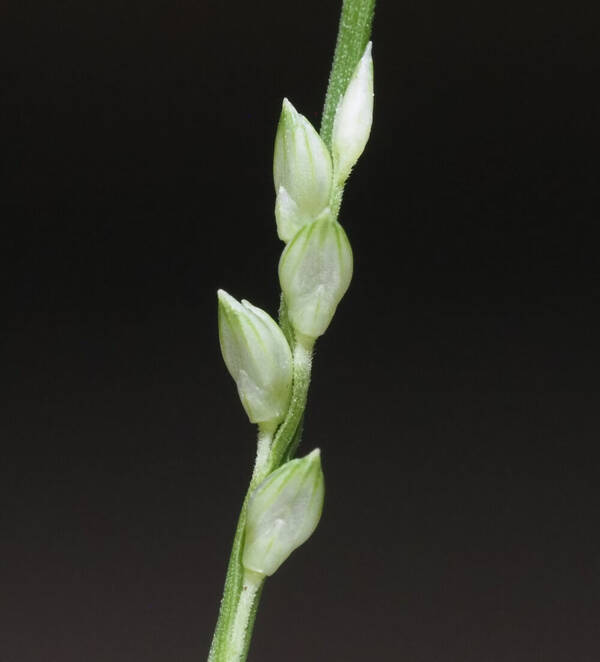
(302, 166)
(258, 357)
(353, 119)
(315, 270)
(283, 512)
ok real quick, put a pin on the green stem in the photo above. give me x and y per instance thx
(285, 436)
(241, 595)
(241, 629)
(353, 35)
(263, 451)
(233, 594)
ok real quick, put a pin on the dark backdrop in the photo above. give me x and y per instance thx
(455, 395)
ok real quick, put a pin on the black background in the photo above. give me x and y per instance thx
(454, 396)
